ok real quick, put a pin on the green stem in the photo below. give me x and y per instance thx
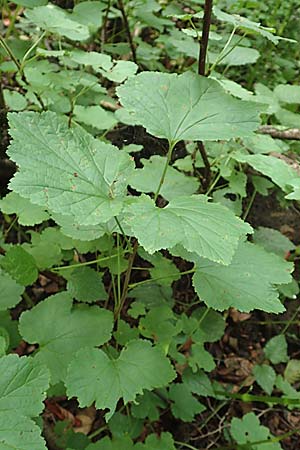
(118, 275)
(184, 444)
(12, 22)
(34, 45)
(87, 263)
(96, 432)
(259, 443)
(260, 398)
(245, 215)
(162, 179)
(10, 53)
(28, 300)
(153, 280)
(122, 231)
(127, 279)
(290, 321)
(213, 184)
(222, 54)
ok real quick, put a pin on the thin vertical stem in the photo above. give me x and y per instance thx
(245, 215)
(3, 124)
(103, 29)
(162, 179)
(207, 171)
(10, 54)
(204, 37)
(127, 278)
(127, 29)
(201, 71)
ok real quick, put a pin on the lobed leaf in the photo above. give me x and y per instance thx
(11, 291)
(23, 385)
(94, 377)
(60, 331)
(188, 106)
(67, 170)
(247, 283)
(208, 229)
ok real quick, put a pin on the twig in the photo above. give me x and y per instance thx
(289, 133)
(204, 36)
(3, 124)
(127, 278)
(201, 71)
(207, 171)
(103, 29)
(127, 29)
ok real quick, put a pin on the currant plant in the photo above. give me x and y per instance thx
(113, 230)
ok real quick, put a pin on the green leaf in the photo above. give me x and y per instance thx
(11, 291)
(147, 405)
(61, 330)
(67, 170)
(295, 184)
(56, 20)
(11, 327)
(28, 214)
(288, 390)
(272, 241)
(159, 324)
(276, 349)
(164, 270)
(89, 13)
(124, 443)
(20, 265)
(125, 333)
(289, 290)
(45, 250)
(199, 358)
(198, 383)
(71, 228)
(14, 100)
(265, 376)
(185, 406)
(288, 93)
(246, 284)
(31, 3)
(149, 296)
(176, 184)
(19, 433)
(292, 371)
(248, 25)
(208, 229)
(235, 56)
(287, 118)
(94, 59)
(22, 389)
(278, 170)
(153, 442)
(262, 143)
(94, 116)
(85, 285)
(187, 106)
(120, 71)
(248, 429)
(92, 374)
(22, 386)
(122, 425)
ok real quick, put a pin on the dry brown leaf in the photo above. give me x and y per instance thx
(86, 416)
